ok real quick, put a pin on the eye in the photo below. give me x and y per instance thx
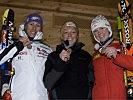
(74, 32)
(65, 32)
(38, 25)
(31, 23)
(95, 31)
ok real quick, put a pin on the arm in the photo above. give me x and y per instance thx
(91, 79)
(54, 68)
(11, 51)
(14, 49)
(125, 61)
(91, 73)
(6, 54)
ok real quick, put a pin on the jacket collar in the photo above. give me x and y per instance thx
(23, 33)
(75, 47)
(78, 46)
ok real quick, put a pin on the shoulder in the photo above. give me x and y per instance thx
(43, 46)
(85, 54)
(54, 54)
(96, 54)
(46, 47)
(116, 43)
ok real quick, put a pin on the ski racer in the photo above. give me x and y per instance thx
(28, 57)
(109, 77)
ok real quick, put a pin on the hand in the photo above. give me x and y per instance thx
(111, 52)
(25, 41)
(7, 95)
(65, 55)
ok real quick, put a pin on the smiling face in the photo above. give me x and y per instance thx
(101, 34)
(32, 28)
(70, 33)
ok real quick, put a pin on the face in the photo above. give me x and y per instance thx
(70, 33)
(101, 34)
(32, 28)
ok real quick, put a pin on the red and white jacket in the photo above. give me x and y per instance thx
(109, 77)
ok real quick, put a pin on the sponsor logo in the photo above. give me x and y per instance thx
(42, 53)
(123, 5)
(10, 32)
(126, 30)
(23, 53)
(35, 18)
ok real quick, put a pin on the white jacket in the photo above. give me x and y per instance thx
(29, 65)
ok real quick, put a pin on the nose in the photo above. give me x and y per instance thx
(34, 27)
(69, 34)
(99, 32)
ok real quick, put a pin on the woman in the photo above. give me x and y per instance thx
(28, 56)
(69, 71)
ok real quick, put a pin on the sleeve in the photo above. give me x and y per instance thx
(91, 73)
(91, 79)
(54, 68)
(10, 52)
(125, 61)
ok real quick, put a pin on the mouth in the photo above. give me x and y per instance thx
(101, 36)
(33, 32)
(69, 39)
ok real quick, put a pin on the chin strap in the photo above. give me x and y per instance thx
(103, 44)
(107, 42)
(101, 47)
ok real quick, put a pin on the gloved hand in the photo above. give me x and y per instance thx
(7, 95)
(6, 92)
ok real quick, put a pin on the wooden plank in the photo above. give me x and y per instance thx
(61, 7)
(62, 11)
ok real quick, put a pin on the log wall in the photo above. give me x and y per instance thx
(55, 14)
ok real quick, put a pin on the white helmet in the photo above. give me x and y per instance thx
(100, 21)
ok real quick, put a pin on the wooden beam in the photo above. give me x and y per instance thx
(75, 9)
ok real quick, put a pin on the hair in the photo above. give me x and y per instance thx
(70, 24)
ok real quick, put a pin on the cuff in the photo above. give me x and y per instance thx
(4, 88)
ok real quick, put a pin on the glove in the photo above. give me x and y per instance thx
(7, 95)
(5, 92)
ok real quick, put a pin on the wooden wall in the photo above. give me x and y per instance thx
(55, 14)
